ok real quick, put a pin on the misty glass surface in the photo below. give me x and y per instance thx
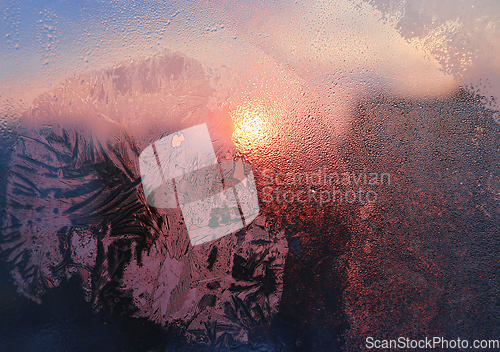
(354, 201)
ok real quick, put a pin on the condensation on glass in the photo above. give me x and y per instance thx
(368, 131)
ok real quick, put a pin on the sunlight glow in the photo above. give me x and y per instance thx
(253, 125)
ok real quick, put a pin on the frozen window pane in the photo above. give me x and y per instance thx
(252, 175)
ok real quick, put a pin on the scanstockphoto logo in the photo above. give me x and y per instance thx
(181, 170)
(322, 187)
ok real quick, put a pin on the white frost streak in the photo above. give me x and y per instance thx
(168, 278)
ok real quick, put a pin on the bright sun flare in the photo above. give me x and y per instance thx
(252, 123)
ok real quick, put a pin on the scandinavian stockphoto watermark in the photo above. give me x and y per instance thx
(322, 187)
(181, 170)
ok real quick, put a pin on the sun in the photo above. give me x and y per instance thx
(253, 126)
